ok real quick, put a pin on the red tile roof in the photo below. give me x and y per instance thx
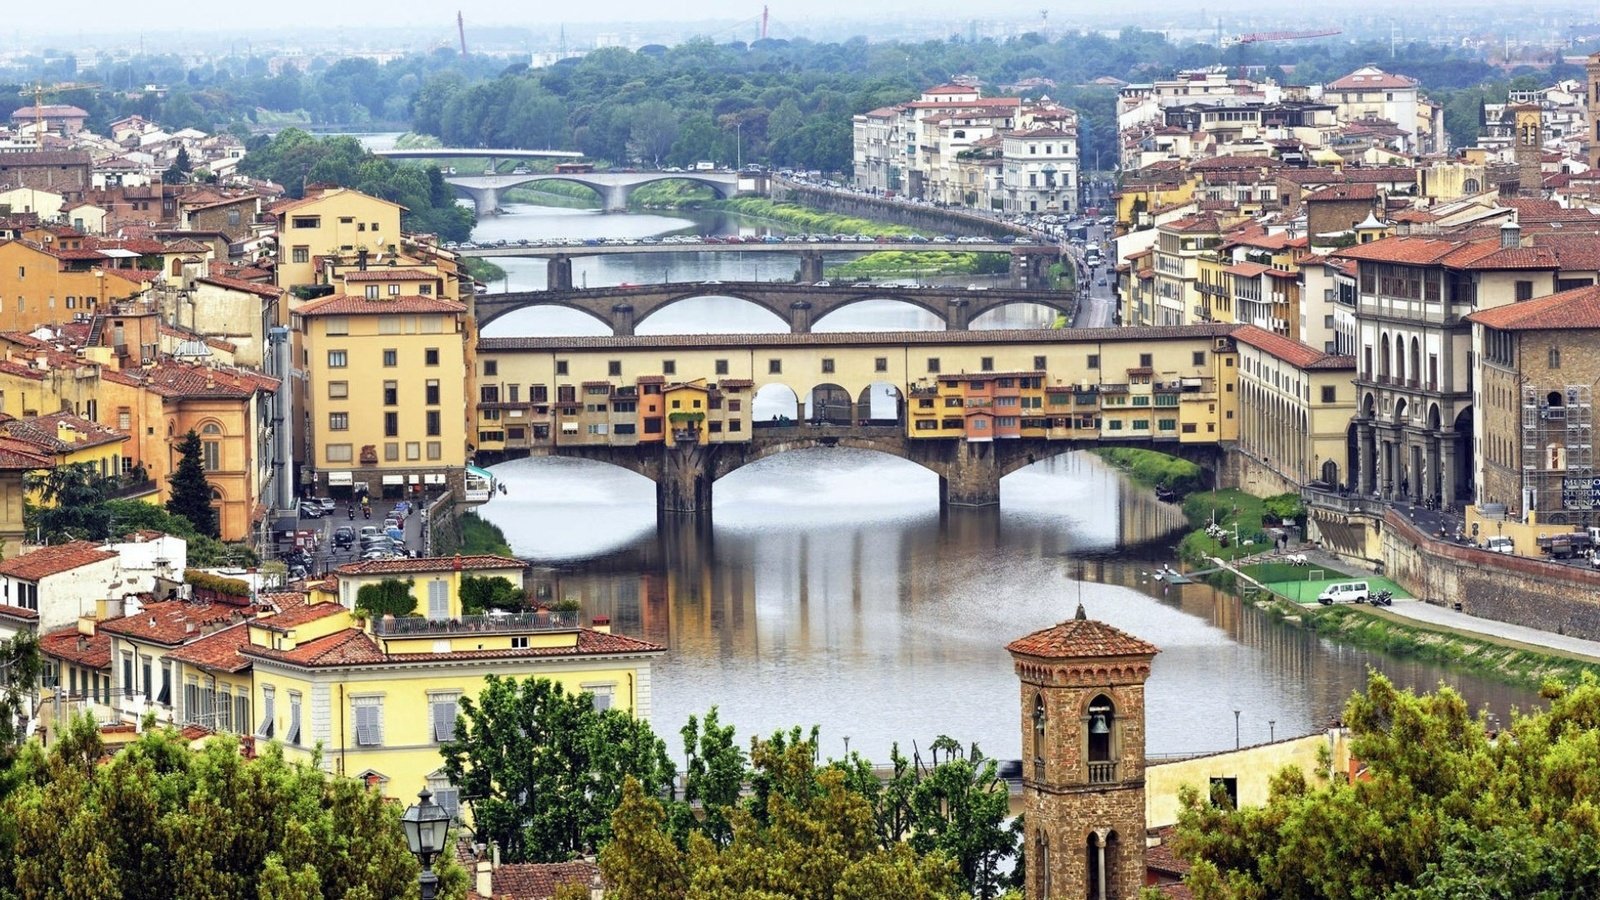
(350, 646)
(395, 274)
(171, 622)
(217, 652)
(1451, 254)
(429, 564)
(1371, 78)
(1575, 252)
(299, 615)
(1577, 308)
(1081, 637)
(17, 612)
(1360, 190)
(536, 881)
(353, 647)
(43, 432)
(1290, 351)
(350, 305)
(235, 284)
(173, 379)
(46, 561)
(89, 651)
(1247, 269)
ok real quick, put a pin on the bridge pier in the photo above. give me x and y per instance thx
(615, 197)
(800, 317)
(485, 200)
(684, 485)
(971, 478)
(810, 266)
(558, 273)
(958, 317)
(1028, 270)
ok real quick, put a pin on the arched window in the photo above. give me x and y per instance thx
(1041, 846)
(1094, 873)
(1101, 724)
(1038, 730)
(1383, 356)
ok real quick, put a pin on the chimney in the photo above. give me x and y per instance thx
(65, 433)
(602, 624)
(485, 878)
(1510, 235)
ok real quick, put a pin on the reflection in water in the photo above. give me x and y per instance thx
(831, 590)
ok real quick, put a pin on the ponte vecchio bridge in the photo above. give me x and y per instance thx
(970, 406)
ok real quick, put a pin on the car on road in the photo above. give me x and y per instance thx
(1500, 544)
(823, 283)
(377, 553)
(310, 510)
(370, 531)
(327, 503)
(1344, 592)
(344, 536)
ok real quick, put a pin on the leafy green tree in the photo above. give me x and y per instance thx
(813, 838)
(389, 597)
(128, 516)
(544, 769)
(960, 808)
(74, 503)
(479, 595)
(1443, 811)
(161, 820)
(714, 775)
(178, 172)
(19, 678)
(191, 492)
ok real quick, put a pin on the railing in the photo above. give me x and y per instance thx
(1102, 772)
(1342, 502)
(132, 487)
(513, 622)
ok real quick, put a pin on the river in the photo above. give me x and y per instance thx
(831, 590)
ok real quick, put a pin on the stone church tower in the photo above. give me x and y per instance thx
(1592, 67)
(1083, 759)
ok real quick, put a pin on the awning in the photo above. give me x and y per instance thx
(394, 479)
(341, 478)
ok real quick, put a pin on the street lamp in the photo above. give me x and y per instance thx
(426, 824)
(1272, 730)
(1236, 729)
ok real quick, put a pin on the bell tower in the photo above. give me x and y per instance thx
(1083, 759)
(1592, 67)
(1528, 148)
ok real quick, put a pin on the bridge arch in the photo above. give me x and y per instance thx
(822, 309)
(1043, 300)
(890, 446)
(779, 307)
(552, 299)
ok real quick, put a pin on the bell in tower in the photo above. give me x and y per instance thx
(1083, 748)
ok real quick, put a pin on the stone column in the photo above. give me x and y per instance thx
(1447, 467)
(810, 266)
(685, 482)
(972, 478)
(558, 273)
(622, 319)
(1364, 462)
(1436, 486)
(800, 317)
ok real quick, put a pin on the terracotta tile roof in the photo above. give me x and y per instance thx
(1201, 224)
(236, 284)
(1290, 351)
(350, 305)
(17, 612)
(43, 432)
(1575, 252)
(171, 622)
(291, 616)
(1376, 174)
(1235, 162)
(1247, 269)
(1081, 637)
(1452, 254)
(173, 379)
(90, 651)
(43, 562)
(1360, 190)
(342, 648)
(395, 274)
(536, 881)
(1577, 308)
(15, 456)
(216, 652)
(186, 245)
(429, 564)
(1371, 78)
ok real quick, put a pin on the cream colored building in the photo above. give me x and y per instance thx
(1296, 403)
(330, 222)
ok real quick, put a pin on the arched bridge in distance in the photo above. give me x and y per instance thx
(799, 305)
(969, 406)
(613, 188)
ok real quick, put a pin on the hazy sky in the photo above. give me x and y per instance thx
(24, 24)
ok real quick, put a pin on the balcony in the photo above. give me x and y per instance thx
(1102, 772)
(134, 483)
(510, 623)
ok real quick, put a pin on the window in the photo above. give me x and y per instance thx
(430, 356)
(372, 292)
(394, 290)
(561, 367)
(491, 367)
(433, 423)
(880, 364)
(774, 367)
(337, 390)
(438, 599)
(519, 643)
(827, 367)
(1524, 290)
(614, 368)
(268, 710)
(1093, 361)
(1199, 358)
(336, 325)
(933, 365)
(430, 392)
(1330, 393)
(489, 393)
(300, 254)
(1146, 360)
(338, 421)
(391, 424)
(669, 367)
(442, 712)
(391, 358)
(413, 450)
(391, 393)
(721, 367)
(292, 735)
(124, 415)
(1225, 792)
(986, 363)
(337, 359)
(436, 450)
(164, 696)
(339, 453)
(447, 795)
(306, 222)
(1038, 363)
(602, 694)
(1167, 424)
(128, 687)
(391, 452)
(368, 714)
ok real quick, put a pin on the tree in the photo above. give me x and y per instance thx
(191, 492)
(19, 677)
(813, 838)
(389, 597)
(161, 820)
(178, 172)
(713, 777)
(74, 503)
(479, 595)
(545, 770)
(1442, 810)
(960, 808)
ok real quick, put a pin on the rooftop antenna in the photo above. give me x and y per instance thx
(461, 30)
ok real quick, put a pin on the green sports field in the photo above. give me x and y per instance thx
(1291, 582)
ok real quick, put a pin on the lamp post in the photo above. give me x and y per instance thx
(1236, 729)
(426, 824)
(1272, 730)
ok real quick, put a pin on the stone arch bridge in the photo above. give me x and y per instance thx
(969, 472)
(614, 188)
(800, 305)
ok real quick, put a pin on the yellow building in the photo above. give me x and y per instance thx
(386, 397)
(39, 287)
(331, 221)
(68, 440)
(379, 696)
(1296, 402)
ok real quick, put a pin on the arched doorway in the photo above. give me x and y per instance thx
(1461, 487)
(830, 404)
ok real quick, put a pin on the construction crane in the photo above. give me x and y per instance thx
(1266, 37)
(461, 29)
(39, 90)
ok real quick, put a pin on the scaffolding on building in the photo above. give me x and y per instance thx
(1558, 478)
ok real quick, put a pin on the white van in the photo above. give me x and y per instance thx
(1499, 544)
(1343, 592)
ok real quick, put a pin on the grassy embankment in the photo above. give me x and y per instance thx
(482, 537)
(1364, 627)
(483, 270)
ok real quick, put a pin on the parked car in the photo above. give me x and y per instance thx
(310, 510)
(1344, 592)
(344, 536)
(327, 504)
(1500, 544)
